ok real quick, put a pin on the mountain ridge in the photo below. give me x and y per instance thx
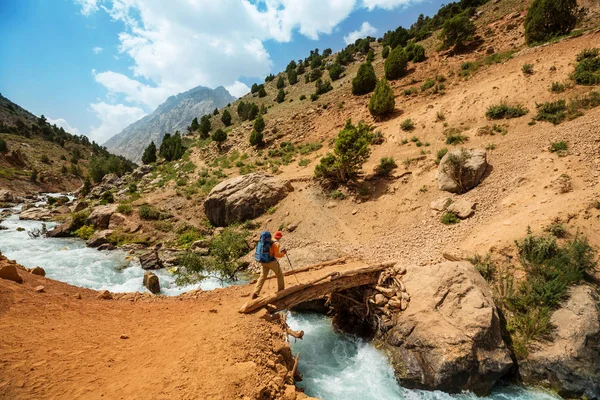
(174, 114)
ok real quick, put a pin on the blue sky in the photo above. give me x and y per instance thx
(95, 66)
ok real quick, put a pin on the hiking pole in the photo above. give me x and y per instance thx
(292, 268)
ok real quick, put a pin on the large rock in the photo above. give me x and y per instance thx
(10, 273)
(7, 197)
(151, 282)
(79, 206)
(99, 238)
(151, 260)
(117, 220)
(100, 217)
(449, 336)
(244, 197)
(37, 214)
(570, 362)
(460, 170)
(462, 208)
(62, 230)
(142, 170)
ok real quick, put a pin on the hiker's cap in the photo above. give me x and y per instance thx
(278, 235)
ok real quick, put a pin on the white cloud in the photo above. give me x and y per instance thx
(365, 30)
(113, 119)
(177, 45)
(238, 89)
(88, 6)
(97, 50)
(62, 123)
(386, 4)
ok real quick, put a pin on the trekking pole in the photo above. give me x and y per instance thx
(295, 276)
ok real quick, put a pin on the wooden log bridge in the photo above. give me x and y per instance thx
(318, 288)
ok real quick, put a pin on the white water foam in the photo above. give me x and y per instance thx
(340, 367)
(69, 260)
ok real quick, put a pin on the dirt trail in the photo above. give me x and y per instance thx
(195, 346)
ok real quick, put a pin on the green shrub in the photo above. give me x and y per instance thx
(219, 136)
(259, 124)
(256, 138)
(440, 116)
(454, 136)
(557, 230)
(337, 195)
(188, 237)
(302, 97)
(484, 266)
(527, 69)
(350, 152)
(45, 159)
(370, 56)
(107, 197)
(382, 100)
(226, 117)
(171, 147)
(85, 232)
(365, 80)
(558, 146)
(125, 208)
(415, 52)
(549, 18)
(149, 213)
(314, 97)
(323, 87)
(427, 84)
(385, 52)
(407, 125)
(449, 218)
(440, 154)
(505, 111)
(386, 166)
(554, 111)
(557, 87)
(335, 71)
(3, 146)
(78, 220)
(395, 64)
(457, 31)
(280, 96)
(132, 187)
(587, 70)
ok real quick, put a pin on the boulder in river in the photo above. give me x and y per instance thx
(569, 362)
(151, 282)
(99, 238)
(100, 217)
(62, 230)
(36, 214)
(460, 170)
(244, 197)
(449, 338)
(151, 260)
(10, 273)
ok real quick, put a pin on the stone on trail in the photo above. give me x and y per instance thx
(151, 260)
(39, 289)
(38, 271)
(462, 208)
(441, 204)
(151, 282)
(10, 273)
(105, 295)
(464, 176)
(449, 337)
(570, 361)
(244, 197)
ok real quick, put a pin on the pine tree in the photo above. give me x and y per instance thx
(259, 124)
(365, 80)
(205, 126)
(226, 118)
(280, 96)
(370, 56)
(256, 138)
(253, 111)
(385, 52)
(280, 82)
(457, 30)
(261, 91)
(219, 136)
(335, 71)
(382, 100)
(216, 112)
(395, 64)
(149, 155)
(549, 18)
(171, 147)
(194, 125)
(292, 77)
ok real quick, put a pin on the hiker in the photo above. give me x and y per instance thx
(267, 253)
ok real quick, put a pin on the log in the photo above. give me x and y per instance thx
(337, 261)
(333, 282)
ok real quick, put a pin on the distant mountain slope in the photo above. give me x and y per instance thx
(174, 114)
